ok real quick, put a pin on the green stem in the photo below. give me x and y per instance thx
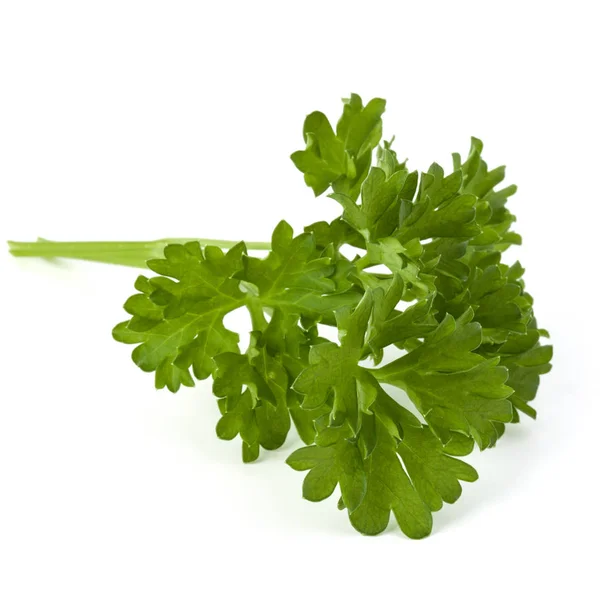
(130, 254)
(257, 316)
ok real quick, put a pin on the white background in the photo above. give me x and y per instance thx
(141, 120)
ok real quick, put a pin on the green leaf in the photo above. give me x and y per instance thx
(256, 399)
(360, 127)
(433, 471)
(341, 159)
(178, 321)
(334, 370)
(371, 488)
(239, 418)
(295, 277)
(325, 158)
(389, 489)
(293, 262)
(526, 359)
(374, 483)
(452, 218)
(199, 353)
(387, 159)
(389, 325)
(333, 234)
(377, 216)
(452, 386)
(253, 391)
(431, 465)
(339, 463)
(495, 293)
(401, 261)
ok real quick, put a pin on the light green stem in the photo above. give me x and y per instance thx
(130, 254)
(257, 316)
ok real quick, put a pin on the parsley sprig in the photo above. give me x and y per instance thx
(426, 278)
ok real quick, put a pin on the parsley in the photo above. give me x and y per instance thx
(471, 351)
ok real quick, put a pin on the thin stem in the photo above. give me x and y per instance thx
(131, 254)
(257, 316)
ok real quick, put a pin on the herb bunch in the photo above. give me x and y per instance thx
(426, 280)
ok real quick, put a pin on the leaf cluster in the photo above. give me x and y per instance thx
(412, 269)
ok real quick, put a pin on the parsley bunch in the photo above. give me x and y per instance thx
(427, 278)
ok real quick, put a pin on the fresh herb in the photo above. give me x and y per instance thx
(424, 276)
